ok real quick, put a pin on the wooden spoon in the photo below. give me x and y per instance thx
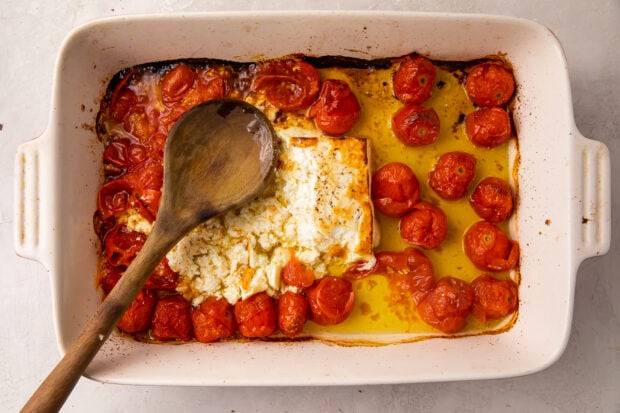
(218, 155)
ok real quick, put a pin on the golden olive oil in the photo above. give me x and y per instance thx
(379, 308)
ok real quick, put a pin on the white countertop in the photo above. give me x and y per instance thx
(585, 378)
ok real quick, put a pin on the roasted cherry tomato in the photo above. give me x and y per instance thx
(292, 313)
(409, 271)
(113, 198)
(156, 145)
(488, 247)
(108, 276)
(296, 274)
(163, 277)
(288, 84)
(213, 320)
(172, 319)
(416, 125)
(145, 179)
(145, 175)
(207, 85)
(331, 300)
(122, 98)
(452, 174)
(493, 298)
(177, 82)
(256, 315)
(414, 80)
(395, 189)
(336, 110)
(138, 316)
(123, 153)
(103, 226)
(488, 127)
(492, 200)
(425, 226)
(140, 123)
(446, 307)
(122, 245)
(490, 84)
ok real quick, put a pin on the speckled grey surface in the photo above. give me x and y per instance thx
(585, 378)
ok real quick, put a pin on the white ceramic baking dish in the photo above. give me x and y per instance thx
(563, 218)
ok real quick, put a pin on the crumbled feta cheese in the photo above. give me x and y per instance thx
(320, 211)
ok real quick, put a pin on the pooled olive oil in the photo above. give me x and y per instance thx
(380, 308)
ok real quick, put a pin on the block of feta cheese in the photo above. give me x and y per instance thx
(318, 210)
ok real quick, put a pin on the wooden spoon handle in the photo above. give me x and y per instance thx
(54, 390)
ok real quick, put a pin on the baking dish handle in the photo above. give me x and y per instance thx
(28, 238)
(594, 196)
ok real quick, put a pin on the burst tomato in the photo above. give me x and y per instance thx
(213, 320)
(122, 245)
(108, 276)
(489, 248)
(336, 110)
(493, 298)
(425, 226)
(288, 84)
(172, 319)
(113, 198)
(292, 313)
(256, 315)
(452, 174)
(409, 271)
(394, 189)
(331, 300)
(446, 307)
(492, 200)
(413, 81)
(124, 153)
(122, 98)
(488, 127)
(296, 274)
(416, 125)
(138, 316)
(177, 82)
(163, 277)
(490, 84)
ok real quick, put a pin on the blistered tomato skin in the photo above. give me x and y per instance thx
(394, 189)
(288, 84)
(488, 127)
(162, 277)
(409, 270)
(492, 200)
(446, 307)
(294, 273)
(413, 81)
(122, 246)
(330, 300)
(337, 109)
(490, 85)
(176, 83)
(137, 318)
(256, 316)
(213, 320)
(416, 125)
(489, 248)
(122, 98)
(493, 298)
(425, 226)
(452, 174)
(292, 313)
(172, 319)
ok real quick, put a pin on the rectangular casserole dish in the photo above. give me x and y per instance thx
(563, 214)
